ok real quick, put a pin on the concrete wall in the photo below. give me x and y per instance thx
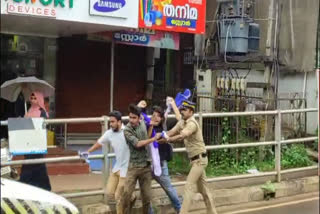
(292, 82)
(298, 19)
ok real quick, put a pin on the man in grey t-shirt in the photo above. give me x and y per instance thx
(115, 137)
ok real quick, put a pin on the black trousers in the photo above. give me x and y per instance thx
(35, 174)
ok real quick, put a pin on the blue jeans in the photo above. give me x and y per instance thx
(165, 182)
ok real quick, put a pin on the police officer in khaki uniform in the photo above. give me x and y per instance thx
(189, 131)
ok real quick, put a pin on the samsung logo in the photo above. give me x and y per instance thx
(109, 5)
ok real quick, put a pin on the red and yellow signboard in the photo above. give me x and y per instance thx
(186, 16)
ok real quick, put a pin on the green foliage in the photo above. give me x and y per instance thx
(269, 190)
(237, 161)
(316, 143)
(268, 187)
(224, 162)
(265, 166)
(179, 164)
(226, 131)
(295, 156)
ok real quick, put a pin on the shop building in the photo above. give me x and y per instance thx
(57, 40)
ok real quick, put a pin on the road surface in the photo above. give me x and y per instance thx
(303, 206)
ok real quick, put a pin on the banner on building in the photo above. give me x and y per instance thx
(83, 16)
(27, 136)
(144, 37)
(149, 38)
(187, 16)
(38, 8)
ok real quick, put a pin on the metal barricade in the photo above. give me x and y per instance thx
(277, 142)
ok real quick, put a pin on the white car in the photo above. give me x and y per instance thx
(17, 197)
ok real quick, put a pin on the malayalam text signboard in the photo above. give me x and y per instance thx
(149, 38)
(186, 16)
(143, 37)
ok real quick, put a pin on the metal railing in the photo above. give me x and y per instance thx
(292, 124)
(278, 142)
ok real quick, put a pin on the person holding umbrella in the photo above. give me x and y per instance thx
(35, 90)
(11, 89)
(36, 174)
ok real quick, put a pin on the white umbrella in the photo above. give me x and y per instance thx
(11, 89)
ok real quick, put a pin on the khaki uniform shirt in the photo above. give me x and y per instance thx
(194, 141)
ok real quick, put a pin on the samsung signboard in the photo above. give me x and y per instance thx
(111, 8)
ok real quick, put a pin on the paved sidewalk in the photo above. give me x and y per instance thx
(303, 203)
(77, 182)
(307, 207)
(74, 183)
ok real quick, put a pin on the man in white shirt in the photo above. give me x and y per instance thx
(115, 137)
